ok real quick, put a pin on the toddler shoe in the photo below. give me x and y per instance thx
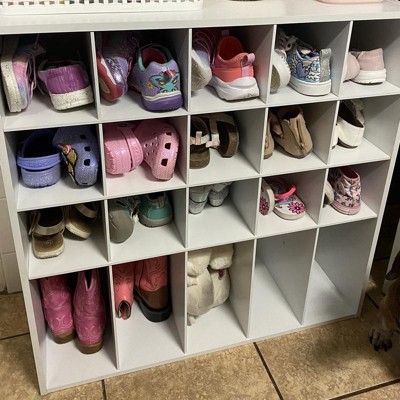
(198, 198)
(115, 52)
(79, 218)
(329, 195)
(156, 76)
(272, 125)
(199, 143)
(66, 82)
(267, 198)
(123, 282)
(233, 72)
(280, 76)
(155, 209)
(218, 193)
(372, 67)
(347, 190)
(18, 69)
(352, 67)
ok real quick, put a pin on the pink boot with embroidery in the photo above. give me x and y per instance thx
(89, 312)
(57, 307)
(123, 289)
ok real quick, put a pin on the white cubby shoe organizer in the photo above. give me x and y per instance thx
(286, 275)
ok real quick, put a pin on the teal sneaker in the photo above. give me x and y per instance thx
(155, 209)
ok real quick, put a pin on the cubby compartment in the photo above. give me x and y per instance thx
(129, 106)
(151, 241)
(319, 119)
(233, 221)
(62, 365)
(228, 323)
(137, 336)
(309, 189)
(364, 38)
(319, 35)
(245, 162)
(336, 283)
(41, 112)
(279, 284)
(257, 40)
(141, 180)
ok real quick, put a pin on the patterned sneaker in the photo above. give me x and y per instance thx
(156, 76)
(18, 69)
(280, 68)
(115, 52)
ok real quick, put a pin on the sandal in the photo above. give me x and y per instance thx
(287, 203)
(224, 133)
(80, 217)
(267, 199)
(199, 143)
(47, 227)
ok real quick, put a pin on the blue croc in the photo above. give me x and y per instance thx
(80, 151)
(39, 160)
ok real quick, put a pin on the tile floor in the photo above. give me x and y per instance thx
(335, 361)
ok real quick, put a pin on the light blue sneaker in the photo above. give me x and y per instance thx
(155, 209)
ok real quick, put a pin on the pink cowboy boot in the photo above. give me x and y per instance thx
(57, 307)
(123, 289)
(89, 312)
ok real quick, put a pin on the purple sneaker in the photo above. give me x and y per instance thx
(66, 82)
(156, 76)
(114, 62)
(18, 69)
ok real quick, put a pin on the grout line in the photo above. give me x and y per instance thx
(14, 336)
(268, 371)
(104, 389)
(366, 390)
(372, 301)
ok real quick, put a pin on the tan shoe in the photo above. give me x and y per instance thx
(272, 124)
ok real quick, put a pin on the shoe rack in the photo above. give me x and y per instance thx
(287, 275)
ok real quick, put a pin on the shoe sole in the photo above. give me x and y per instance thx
(280, 76)
(309, 88)
(65, 101)
(48, 254)
(153, 223)
(370, 77)
(108, 88)
(239, 89)
(10, 84)
(62, 339)
(90, 349)
(151, 314)
(345, 210)
(201, 76)
(163, 101)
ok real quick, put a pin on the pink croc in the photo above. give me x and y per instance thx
(123, 289)
(122, 149)
(160, 143)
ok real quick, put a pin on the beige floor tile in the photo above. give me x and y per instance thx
(18, 375)
(330, 361)
(231, 374)
(391, 392)
(12, 315)
(376, 279)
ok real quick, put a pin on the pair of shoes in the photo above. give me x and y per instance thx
(218, 131)
(346, 185)
(85, 314)
(365, 67)
(208, 282)
(288, 129)
(147, 282)
(279, 196)
(309, 68)
(215, 194)
(66, 82)
(47, 227)
(126, 145)
(350, 124)
(219, 60)
(150, 70)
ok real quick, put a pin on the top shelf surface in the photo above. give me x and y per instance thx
(214, 13)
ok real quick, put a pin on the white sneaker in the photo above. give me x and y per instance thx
(350, 124)
(280, 68)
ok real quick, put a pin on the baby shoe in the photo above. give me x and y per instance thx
(79, 218)
(218, 193)
(203, 46)
(280, 75)
(155, 209)
(329, 194)
(80, 151)
(198, 196)
(309, 68)
(152, 289)
(122, 216)
(57, 307)
(199, 143)
(287, 203)
(267, 198)
(66, 82)
(372, 67)
(160, 143)
(39, 160)
(123, 281)
(272, 125)
(18, 69)
(89, 312)
(232, 70)
(347, 187)
(352, 67)
(156, 76)
(122, 149)
(115, 52)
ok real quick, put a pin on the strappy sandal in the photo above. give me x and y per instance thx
(80, 217)
(47, 227)
(199, 143)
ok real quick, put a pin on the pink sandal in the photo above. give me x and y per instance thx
(122, 149)
(160, 143)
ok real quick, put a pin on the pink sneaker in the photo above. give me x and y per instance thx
(372, 67)
(232, 69)
(89, 312)
(57, 307)
(123, 289)
(18, 69)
